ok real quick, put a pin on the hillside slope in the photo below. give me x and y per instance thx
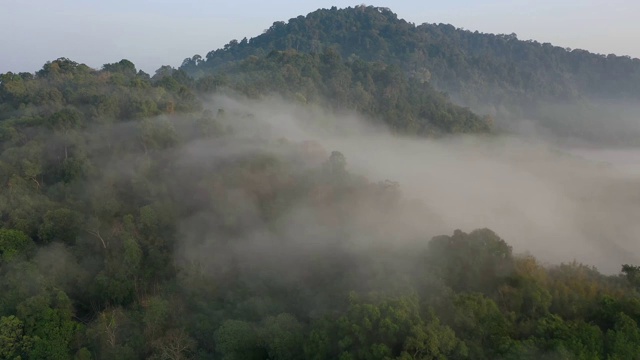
(496, 74)
(136, 224)
(454, 57)
(383, 93)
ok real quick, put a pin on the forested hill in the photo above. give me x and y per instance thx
(566, 93)
(381, 92)
(137, 223)
(454, 59)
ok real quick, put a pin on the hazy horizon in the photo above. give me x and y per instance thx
(154, 34)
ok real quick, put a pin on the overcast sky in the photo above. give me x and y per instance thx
(164, 32)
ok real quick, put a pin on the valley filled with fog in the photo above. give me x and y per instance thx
(344, 185)
(558, 203)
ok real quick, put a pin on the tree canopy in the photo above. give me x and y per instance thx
(563, 91)
(138, 220)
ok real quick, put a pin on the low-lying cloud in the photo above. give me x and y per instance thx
(555, 204)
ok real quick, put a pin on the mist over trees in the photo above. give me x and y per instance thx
(564, 92)
(140, 218)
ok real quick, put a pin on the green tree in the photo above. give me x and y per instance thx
(237, 339)
(478, 261)
(632, 274)
(48, 321)
(123, 66)
(282, 336)
(60, 225)
(623, 341)
(14, 244)
(13, 343)
(485, 330)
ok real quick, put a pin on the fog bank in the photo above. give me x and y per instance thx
(557, 205)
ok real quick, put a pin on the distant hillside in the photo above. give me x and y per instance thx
(450, 57)
(498, 74)
(139, 219)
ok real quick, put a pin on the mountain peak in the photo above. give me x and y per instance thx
(496, 74)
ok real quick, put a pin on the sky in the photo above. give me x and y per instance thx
(164, 32)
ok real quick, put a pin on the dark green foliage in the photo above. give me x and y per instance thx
(478, 261)
(14, 244)
(478, 320)
(566, 91)
(453, 59)
(623, 341)
(49, 325)
(382, 92)
(125, 67)
(134, 225)
(238, 340)
(632, 274)
(393, 328)
(283, 336)
(60, 225)
(13, 342)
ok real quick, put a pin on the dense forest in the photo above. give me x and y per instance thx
(568, 92)
(140, 219)
(451, 58)
(137, 222)
(373, 89)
